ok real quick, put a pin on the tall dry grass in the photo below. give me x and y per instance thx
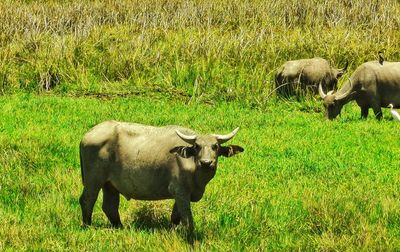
(205, 49)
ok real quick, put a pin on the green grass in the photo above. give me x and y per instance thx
(302, 183)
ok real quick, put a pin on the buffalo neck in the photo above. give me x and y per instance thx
(202, 176)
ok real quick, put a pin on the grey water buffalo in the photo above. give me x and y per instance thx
(148, 163)
(372, 85)
(303, 74)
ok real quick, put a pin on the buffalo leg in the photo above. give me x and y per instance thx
(87, 201)
(175, 216)
(111, 204)
(364, 112)
(378, 112)
(183, 205)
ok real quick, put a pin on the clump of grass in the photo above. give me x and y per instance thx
(225, 50)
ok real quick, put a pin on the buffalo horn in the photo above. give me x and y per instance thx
(321, 92)
(224, 138)
(346, 93)
(188, 139)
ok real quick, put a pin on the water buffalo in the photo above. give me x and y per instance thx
(148, 163)
(373, 85)
(303, 74)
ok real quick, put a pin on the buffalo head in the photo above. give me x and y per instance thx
(339, 72)
(205, 149)
(333, 102)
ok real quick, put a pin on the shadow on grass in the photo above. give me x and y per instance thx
(148, 219)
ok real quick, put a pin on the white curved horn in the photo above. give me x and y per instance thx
(188, 139)
(338, 97)
(225, 138)
(321, 92)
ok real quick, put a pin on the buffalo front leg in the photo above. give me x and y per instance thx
(87, 201)
(183, 206)
(111, 204)
(175, 216)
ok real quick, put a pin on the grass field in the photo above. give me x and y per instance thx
(302, 183)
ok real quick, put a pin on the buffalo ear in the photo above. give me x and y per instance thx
(183, 151)
(229, 151)
(339, 74)
(342, 70)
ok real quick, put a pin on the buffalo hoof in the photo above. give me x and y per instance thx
(117, 226)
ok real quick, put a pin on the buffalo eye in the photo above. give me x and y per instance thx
(214, 147)
(196, 147)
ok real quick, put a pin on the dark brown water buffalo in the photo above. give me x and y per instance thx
(148, 163)
(372, 85)
(303, 74)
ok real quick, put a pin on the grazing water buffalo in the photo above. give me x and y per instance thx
(148, 163)
(299, 75)
(373, 85)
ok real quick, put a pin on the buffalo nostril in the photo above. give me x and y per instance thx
(205, 162)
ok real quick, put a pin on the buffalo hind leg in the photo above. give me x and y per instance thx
(378, 112)
(111, 204)
(175, 216)
(364, 112)
(87, 201)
